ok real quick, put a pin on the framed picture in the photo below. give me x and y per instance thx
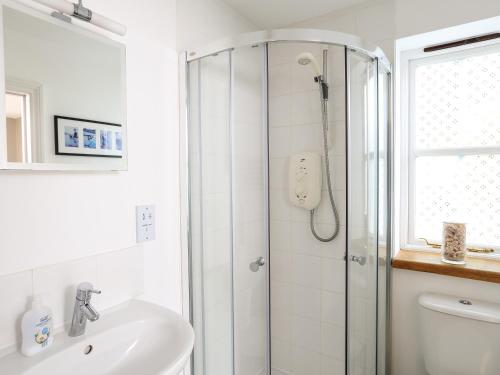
(80, 137)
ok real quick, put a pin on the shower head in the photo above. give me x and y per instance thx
(306, 58)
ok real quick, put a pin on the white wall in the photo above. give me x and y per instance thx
(202, 21)
(46, 217)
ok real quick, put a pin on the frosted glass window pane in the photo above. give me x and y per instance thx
(457, 102)
(463, 188)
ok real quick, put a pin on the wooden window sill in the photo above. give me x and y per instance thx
(475, 268)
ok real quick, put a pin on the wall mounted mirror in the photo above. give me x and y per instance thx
(64, 95)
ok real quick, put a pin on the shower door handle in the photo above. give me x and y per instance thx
(361, 260)
(256, 264)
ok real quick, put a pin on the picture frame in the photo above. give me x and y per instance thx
(82, 137)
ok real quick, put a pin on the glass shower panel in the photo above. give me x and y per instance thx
(362, 201)
(384, 118)
(249, 184)
(211, 213)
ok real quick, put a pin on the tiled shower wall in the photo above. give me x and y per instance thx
(307, 276)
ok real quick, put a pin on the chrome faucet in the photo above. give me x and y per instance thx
(83, 310)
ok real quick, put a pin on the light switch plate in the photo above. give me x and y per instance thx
(145, 221)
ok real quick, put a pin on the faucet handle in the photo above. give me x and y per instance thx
(84, 291)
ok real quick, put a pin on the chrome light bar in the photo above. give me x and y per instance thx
(78, 10)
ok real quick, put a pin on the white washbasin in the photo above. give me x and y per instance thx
(131, 339)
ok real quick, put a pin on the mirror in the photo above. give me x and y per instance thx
(65, 102)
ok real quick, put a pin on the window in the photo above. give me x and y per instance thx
(454, 144)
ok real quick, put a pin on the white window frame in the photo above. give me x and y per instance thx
(409, 54)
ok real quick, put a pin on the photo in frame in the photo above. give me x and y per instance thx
(81, 137)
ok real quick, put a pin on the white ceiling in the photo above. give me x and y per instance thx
(278, 13)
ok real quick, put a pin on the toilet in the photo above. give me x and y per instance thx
(459, 336)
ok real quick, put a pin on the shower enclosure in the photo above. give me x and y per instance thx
(285, 139)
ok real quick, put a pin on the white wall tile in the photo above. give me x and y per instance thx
(279, 110)
(282, 355)
(306, 270)
(337, 105)
(336, 136)
(338, 172)
(306, 333)
(306, 302)
(58, 284)
(280, 235)
(280, 53)
(306, 108)
(331, 366)
(279, 142)
(333, 308)
(333, 275)
(307, 138)
(279, 205)
(305, 362)
(281, 295)
(120, 275)
(304, 242)
(333, 340)
(15, 296)
(281, 325)
(281, 264)
(280, 79)
(324, 213)
(278, 173)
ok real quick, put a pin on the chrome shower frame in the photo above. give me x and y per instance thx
(349, 42)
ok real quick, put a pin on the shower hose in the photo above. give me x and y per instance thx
(323, 86)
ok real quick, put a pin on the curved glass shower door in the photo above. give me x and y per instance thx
(228, 212)
(273, 290)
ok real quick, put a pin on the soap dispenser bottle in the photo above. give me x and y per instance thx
(36, 328)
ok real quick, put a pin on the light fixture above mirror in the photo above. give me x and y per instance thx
(65, 8)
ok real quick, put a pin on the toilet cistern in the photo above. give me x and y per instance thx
(459, 336)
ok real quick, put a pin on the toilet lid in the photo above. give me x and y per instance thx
(460, 306)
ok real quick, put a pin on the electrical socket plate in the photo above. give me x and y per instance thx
(145, 221)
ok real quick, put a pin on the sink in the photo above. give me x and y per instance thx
(131, 339)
